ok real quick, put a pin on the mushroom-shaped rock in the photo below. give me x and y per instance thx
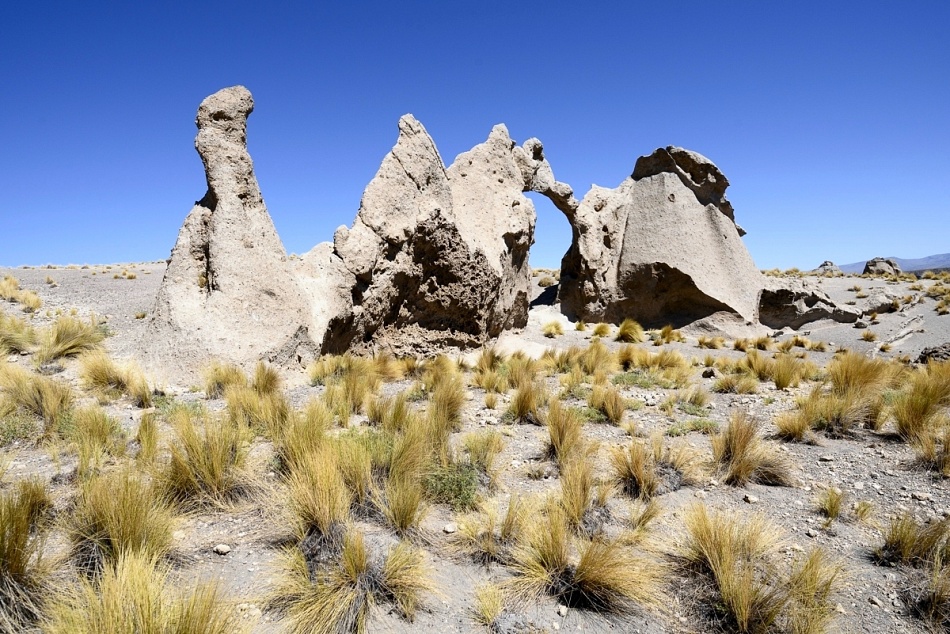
(228, 291)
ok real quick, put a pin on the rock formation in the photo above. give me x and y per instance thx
(935, 353)
(436, 256)
(663, 247)
(828, 268)
(794, 303)
(882, 266)
(228, 291)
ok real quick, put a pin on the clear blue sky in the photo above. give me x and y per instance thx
(830, 119)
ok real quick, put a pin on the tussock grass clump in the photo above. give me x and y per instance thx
(609, 402)
(786, 371)
(136, 595)
(115, 515)
(304, 434)
(30, 301)
(735, 384)
(221, 376)
(643, 470)
(526, 403)
(265, 413)
(603, 576)
(712, 343)
(744, 456)
(16, 334)
(96, 435)
(9, 288)
(830, 503)
(147, 439)
(630, 331)
(24, 575)
(38, 395)
(757, 365)
(564, 433)
(911, 543)
(596, 357)
(100, 373)
(445, 402)
(206, 465)
(917, 409)
(750, 591)
(488, 537)
(583, 500)
(933, 449)
(601, 330)
(319, 502)
(482, 449)
(266, 380)
(666, 334)
(342, 597)
(69, 337)
(392, 414)
(553, 329)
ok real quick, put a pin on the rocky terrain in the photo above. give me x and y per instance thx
(409, 429)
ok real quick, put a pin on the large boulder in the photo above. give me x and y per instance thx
(882, 266)
(828, 268)
(437, 257)
(661, 248)
(794, 303)
(228, 291)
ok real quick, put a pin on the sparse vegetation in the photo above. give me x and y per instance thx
(744, 456)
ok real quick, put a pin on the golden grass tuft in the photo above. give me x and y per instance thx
(751, 592)
(744, 456)
(630, 331)
(69, 337)
(565, 438)
(38, 395)
(96, 435)
(609, 402)
(266, 379)
(552, 329)
(207, 459)
(99, 372)
(342, 597)
(712, 343)
(16, 334)
(265, 413)
(136, 595)
(487, 537)
(601, 330)
(605, 576)
(221, 376)
(118, 514)
(24, 575)
(319, 502)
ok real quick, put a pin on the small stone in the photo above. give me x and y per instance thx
(178, 535)
(840, 609)
(555, 625)
(751, 499)
(858, 486)
(450, 528)
(562, 610)
(709, 373)
(811, 532)
(873, 600)
(222, 549)
(826, 458)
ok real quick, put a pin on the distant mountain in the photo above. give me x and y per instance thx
(931, 262)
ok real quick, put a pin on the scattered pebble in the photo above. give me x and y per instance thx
(450, 528)
(222, 549)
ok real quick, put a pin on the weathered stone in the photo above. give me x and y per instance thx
(828, 267)
(661, 248)
(436, 257)
(936, 353)
(228, 291)
(882, 266)
(793, 303)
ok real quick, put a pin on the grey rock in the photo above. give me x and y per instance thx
(882, 266)
(935, 353)
(793, 303)
(663, 247)
(228, 291)
(827, 267)
(222, 549)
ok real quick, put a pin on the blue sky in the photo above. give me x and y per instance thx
(830, 119)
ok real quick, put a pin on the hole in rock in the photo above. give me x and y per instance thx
(552, 238)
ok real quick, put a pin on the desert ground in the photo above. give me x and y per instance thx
(550, 429)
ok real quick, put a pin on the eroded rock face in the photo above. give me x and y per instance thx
(228, 291)
(438, 257)
(794, 303)
(936, 353)
(663, 247)
(882, 266)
